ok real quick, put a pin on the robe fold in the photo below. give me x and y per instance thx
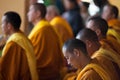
(62, 27)
(18, 61)
(93, 71)
(47, 46)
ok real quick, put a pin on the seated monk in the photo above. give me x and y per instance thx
(76, 54)
(18, 60)
(60, 24)
(46, 43)
(106, 57)
(110, 14)
(100, 26)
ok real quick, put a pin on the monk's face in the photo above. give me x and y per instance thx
(32, 14)
(73, 58)
(5, 26)
(50, 14)
(106, 14)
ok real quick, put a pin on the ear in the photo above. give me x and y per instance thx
(98, 32)
(112, 16)
(88, 43)
(9, 26)
(76, 52)
(38, 13)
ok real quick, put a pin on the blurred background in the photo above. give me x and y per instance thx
(21, 6)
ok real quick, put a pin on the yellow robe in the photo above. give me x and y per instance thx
(109, 61)
(111, 45)
(18, 60)
(93, 71)
(72, 75)
(48, 52)
(62, 27)
(114, 23)
(114, 29)
(114, 33)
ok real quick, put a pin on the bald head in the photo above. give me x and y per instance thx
(90, 38)
(72, 44)
(87, 34)
(41, 8)
(97, 23)
(52, 11)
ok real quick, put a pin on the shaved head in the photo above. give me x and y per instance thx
(54, 9)
(41, 8)
(72, 44)
(87, 34)
(90, 38)
(95, 23)
(52, 12)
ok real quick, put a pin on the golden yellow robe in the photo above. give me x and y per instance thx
(72, 75)
(62, 27)
(111, 45)
(114, 33)
(114, 29)
(109, 61)
(93, 71)
(114, 23)
(48, 52)
(18, 60)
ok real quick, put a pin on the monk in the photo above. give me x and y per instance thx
(18, 60)
(110, 14)
(100, 26)
(76, 54)
(60, 24)
(46, 43)
(103, 55)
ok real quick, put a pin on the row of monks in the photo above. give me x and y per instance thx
(54, 51)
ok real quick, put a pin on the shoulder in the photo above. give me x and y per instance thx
(91, 75)
(12, 45)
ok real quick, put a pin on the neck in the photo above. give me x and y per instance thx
(96, 47)
(36, 21)
(86, 60)
(12, 32)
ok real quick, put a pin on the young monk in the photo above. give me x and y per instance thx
(60, 24)
(103, 55)
(46, 44)
(76, 54)
(17, 61)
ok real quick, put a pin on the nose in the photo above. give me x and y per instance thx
(68, 61)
